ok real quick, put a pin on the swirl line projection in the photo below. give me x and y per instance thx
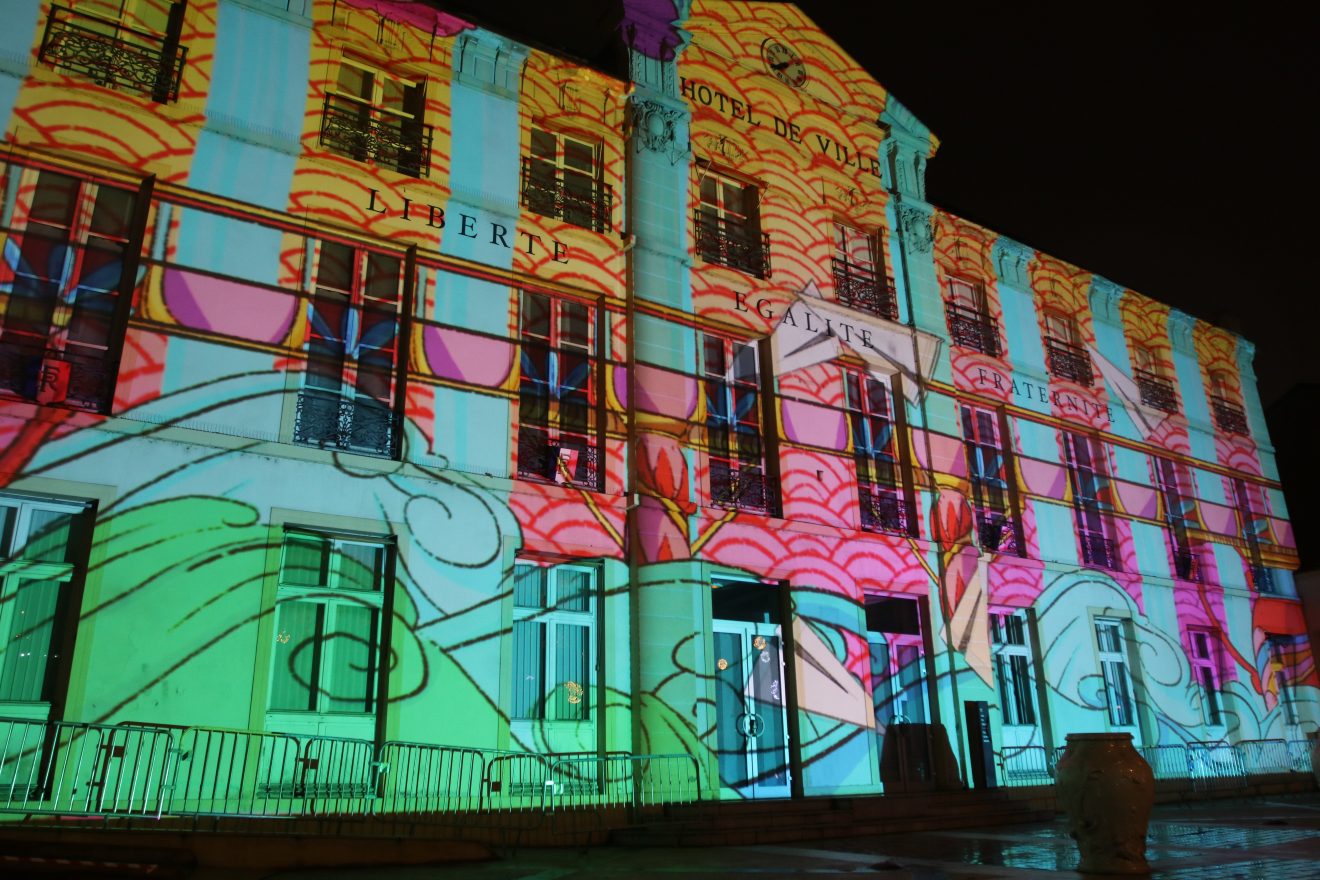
(393, 383)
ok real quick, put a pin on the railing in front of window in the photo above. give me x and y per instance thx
(587, 205)
(127, 58)
(859, 287)
(972, 329)
(572, 460)
(1186, 565)
(737, 485)
(1229, 416)
(1262, 579)
(327, 419)
(1099, 551)
(403, 145)
(52, 377)
(1156, 391)
(1068, 361)
(732, 243)
(996, 532)
(883, 509)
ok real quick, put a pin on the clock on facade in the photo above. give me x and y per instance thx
(784, 63)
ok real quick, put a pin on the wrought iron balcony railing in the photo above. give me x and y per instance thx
(732, 243)
(858, 287)
(972, 329)
(996, 532)
(1186, 565)
(568, 459)
(883, 509)
(60, 378)
(1156, 391)
(1068, 361)
(1262, 579)
(575, 199)
(114, 55)
(740, 486)
(1099, 551)
(403, 145)
(327, 419)
(1229, 416)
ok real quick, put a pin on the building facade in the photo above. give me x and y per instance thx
(368, 374)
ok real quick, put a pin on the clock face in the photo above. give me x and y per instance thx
(784, 63)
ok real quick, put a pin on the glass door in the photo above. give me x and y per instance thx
(751, 721)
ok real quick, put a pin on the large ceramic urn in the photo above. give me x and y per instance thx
(1107, 790)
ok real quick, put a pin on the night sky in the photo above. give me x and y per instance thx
(1171, 154)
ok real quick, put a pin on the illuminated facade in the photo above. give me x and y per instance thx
(325, 335)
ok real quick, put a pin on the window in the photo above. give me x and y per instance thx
(731, 380)
(728, 221)
(554, 624)
(970, 324)
(1285, 652)
(859, 279)
(1228, 413)
(1012, 653)
(120, 44)
(883, 505)
(1179, 515)
(1114, 671)
(1156, 390)
(987, 468)
(328, 624)
(1205, 671)
(372, 115)
(1254, 521)
(1064, 353)
(1090, 489)
(42, 547)
(349, 390)
(557, 419)
(562, 178)
(61, 317)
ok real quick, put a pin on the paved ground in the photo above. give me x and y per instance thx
(1263, 839)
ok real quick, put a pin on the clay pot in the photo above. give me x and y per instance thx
(1107, 790)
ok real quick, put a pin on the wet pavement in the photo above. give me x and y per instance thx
(1261, 839)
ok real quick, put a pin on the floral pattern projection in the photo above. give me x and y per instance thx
(195, 475)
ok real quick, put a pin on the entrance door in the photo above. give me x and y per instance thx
(751, 722)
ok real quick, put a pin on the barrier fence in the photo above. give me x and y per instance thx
(1209, 766)
(152, 770)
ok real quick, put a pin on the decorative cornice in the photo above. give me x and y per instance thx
(1181, 327)
(489, 62)
(1012, 261)
(1246, 356)
(1105, 297)
(655, 127)
(914, 222)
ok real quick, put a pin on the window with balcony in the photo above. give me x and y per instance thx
(69, 249)
(119, 44)
(561, 178)
(731, 381)
(1254, 523)
(554, 626)
(557, 419)
(1091, 507)
(351, 384)
(884, 506)
(1228, 412)
(1172, 481)
(859, 274)
(328, 622)
(1285, 654)
(1064, 353)
(987, 469)
(728, 225)
(968, 313)
(1117, 680)
(43, 550)
(1011, 644)
(1204, 659)
(1155, 388)
(373, 116)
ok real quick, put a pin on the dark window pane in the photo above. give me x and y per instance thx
(54, 199)
(112, 213)
(336, 267)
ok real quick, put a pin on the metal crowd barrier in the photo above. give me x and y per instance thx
(622, 780)
(1166, 762)
(1027, 765)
